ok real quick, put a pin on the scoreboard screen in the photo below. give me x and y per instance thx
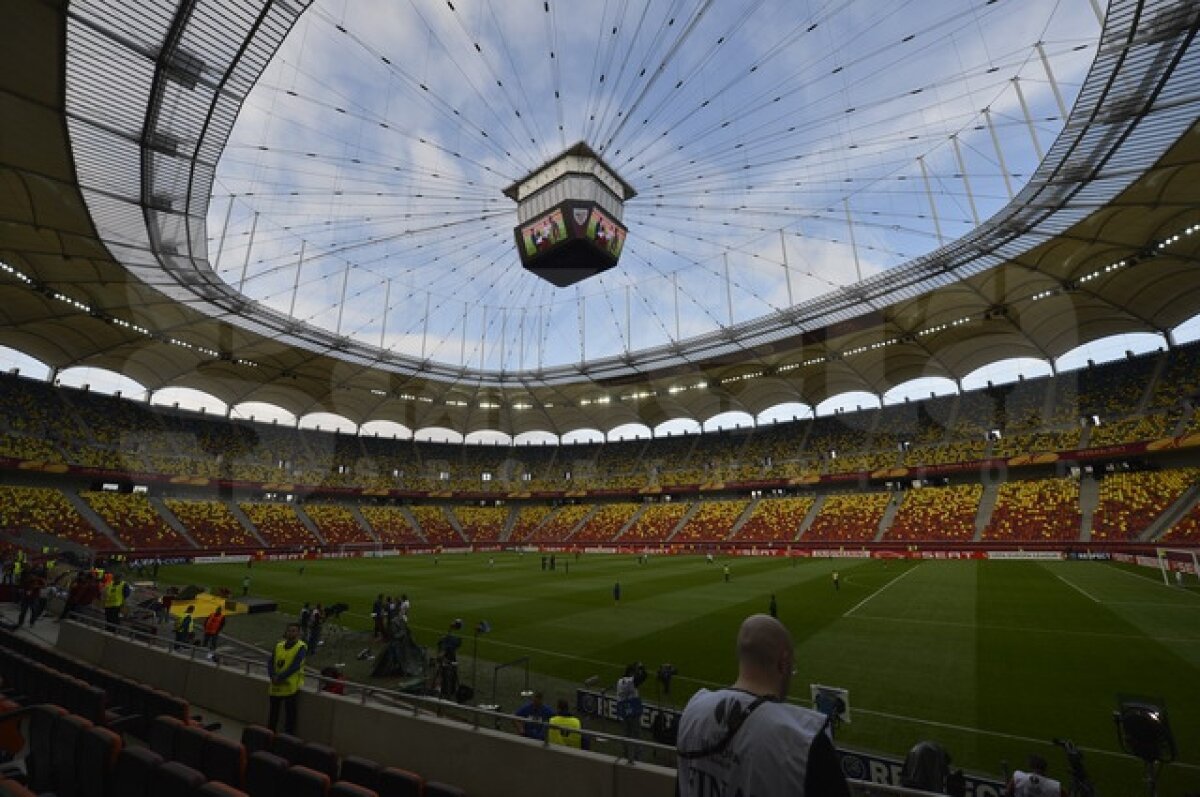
(604, 232)
(570, 242)
(543, 233)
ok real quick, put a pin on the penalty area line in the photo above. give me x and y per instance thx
(864, 601)
(1078, 589)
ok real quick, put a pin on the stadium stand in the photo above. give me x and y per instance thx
(1036, 510)
(656, 523)
(278, 525)
(1186, 529)
(391, 526)
(134, 521)
(482, 524)
(712, 522)
(560, 526)
(47, 510)
(528, 519)
(775, 520)
(607, 523)
(852, 517)
(211, 524)
(337, 525)
(1130, 502)
(435, 526)
(937, 513)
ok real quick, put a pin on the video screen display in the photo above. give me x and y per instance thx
(543, 233)
(604, 232)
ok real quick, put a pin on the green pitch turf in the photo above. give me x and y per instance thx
(990, 658)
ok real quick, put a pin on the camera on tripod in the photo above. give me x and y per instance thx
(665, 673)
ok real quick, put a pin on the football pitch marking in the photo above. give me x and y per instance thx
(1079, 589)
(864, 601)
(1002, 735)
(1021, 629)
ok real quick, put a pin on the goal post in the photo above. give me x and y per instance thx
(1176, 564)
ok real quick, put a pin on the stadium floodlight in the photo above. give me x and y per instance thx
(1144, 731)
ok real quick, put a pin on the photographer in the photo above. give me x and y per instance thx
(1034, 783)
(745, 739)
(447, 664)
(629, 704)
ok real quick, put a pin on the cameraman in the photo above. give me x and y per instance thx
(629, 704)
(1034, 783)
(447, 648)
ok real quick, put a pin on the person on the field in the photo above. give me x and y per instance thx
(837, 581)
(1034, 783)
(726, 571)
(773, 607)
(745, 739)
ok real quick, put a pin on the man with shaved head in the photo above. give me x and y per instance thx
(746, 740)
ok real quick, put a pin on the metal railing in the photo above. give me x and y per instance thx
(253, 661)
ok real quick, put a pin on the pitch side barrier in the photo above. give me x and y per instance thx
(875, 769)
(367, 720)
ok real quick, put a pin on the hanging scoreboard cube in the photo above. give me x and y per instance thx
(569, 213)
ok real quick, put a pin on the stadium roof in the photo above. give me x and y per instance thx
(118, 256)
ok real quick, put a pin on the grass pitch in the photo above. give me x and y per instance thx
(989, 658)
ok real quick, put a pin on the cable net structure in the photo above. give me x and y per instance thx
(781, 151)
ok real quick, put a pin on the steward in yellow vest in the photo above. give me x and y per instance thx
(564, 728)
(285, 669)
(114, 596)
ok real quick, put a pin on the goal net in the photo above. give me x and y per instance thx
(1179, 566)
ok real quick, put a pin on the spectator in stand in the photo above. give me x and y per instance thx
(285, 669)
(782, 751)
(533, 717)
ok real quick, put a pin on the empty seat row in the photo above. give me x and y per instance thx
(269, 749)
(97, 694)
(267, 764)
